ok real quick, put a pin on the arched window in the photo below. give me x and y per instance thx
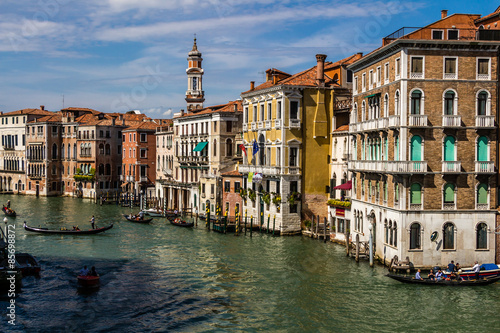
(482, 194)
(386, 105)
(482, 100)
(396, 103)
(108, 169)
(390, 233)
(386, 227)
(69, 151)
(482, 236)
(101, 169)
(101, 149)
(215, 147)
(54, 151)
(482, 149)
(108, 149)
(416, 148)
(416, 194)
(363, 111)
(448, 236)
(449, 193)
(395, 232)
(62, 151)
(449, 103)
(449, 148)
(415, 236)
(74, 151)
(416, 99)
(354, 116)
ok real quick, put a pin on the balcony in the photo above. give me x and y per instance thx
(294, 123)
(416, 76)
(485, 121)
(482, 206)
(394, 121)
(277, 123)
(485, 167)
(451, 167)
(144, 179)
(167, 172)
(245, 127)
(268, 124)
(416, 206)
(452, 121)
(9, 147)
(260, 125)
(389, 166)
(253, 126)
(450, 76)
(417, 120)
(449, 206)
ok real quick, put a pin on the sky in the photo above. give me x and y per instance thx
(122, 55)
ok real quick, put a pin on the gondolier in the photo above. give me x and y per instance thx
(92, 221)
(476, 268)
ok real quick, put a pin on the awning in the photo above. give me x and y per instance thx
(373, 95)
(200, 146)
(345, 186)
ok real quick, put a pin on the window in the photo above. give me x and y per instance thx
(482, 99)
(449, 193)
(237, 187)
(363, 82)
(278, 110)
(212, 188)
(229, 126)
(417, 68)
(261, 112)
(415, 236)
(437, 34)
(416, 98)
(482, 149)
(229, 147)
(246, 115)
(386, 73)
(452, 34)
(386, 105)
(397, 68)
(254, 113)
(349, 76)
(482, 194)
(54, 150)
(379, 75)
(144, 153)
(215, 126)
(278, 156)
(449, 149)
(448, 236)
(293, 157)
(482, 236)
(144, 137)
(450, 68)
(370, 79)
(449, 103)
(215, 147)
(227, 186)
(396, 103)
(294, 109)
(483, 68)
(355, 85)
(416, 148)
(416, 194)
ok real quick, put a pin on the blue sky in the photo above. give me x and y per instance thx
(120, 55)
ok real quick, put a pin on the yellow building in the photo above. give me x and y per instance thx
(287, 122)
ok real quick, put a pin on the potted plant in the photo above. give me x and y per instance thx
(266, 197)
(293, 197)
(251, 194)
(243, 194)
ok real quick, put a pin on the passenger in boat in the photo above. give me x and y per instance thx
(84, 271)
(417, 276)
(458, 268)
(93, 272)
(141, 215)
(8, 203)
(92, 221)
(452, 267)
(453, 276)
(476, 268)
(439, 275)
(431, 275)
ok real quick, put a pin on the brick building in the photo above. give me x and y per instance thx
(424, 143)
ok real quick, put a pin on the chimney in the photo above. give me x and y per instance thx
(275, 78)
(444, 13)
(320, 69)
(252, 85)
(182, 112)
(42, 107)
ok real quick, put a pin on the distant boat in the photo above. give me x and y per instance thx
(456, 283)
(88, 281)
(136, 219)
(181, 223)
(153, 212)
(486, 270)
(67, 232)
(9, 212)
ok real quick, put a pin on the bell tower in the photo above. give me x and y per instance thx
(195, 96)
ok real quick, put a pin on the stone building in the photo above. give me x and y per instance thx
(424, 143)
(164, 156)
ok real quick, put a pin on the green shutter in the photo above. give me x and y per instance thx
(482, 194)
(397, 149)
(416, 193)
(449, 193)
(416, 148)
(482, 149)
(449, 148)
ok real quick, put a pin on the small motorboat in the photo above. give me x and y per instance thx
(444, 282)
(67, 231)
(27, 264)
(487, 270)
(88, 281)
(137, 219)
(9, 211)
(153, 212)
(181, 223)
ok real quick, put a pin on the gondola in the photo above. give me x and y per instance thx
(180, 223)
(27, 264)
(67, 232)
(153, 212)
(9, 212)
(137, 220)
(456, 283)
(88, 281)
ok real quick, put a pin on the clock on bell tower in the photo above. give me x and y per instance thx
(195, 96)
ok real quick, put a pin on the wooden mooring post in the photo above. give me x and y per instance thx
(357, 247)
(324, 229)
(347, 242)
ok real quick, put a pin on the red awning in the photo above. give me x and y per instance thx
(345, 186)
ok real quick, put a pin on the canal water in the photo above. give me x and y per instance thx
(164, 278)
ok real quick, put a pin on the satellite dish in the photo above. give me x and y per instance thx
(434, 236)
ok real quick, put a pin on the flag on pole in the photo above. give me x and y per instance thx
(250, 177)
(243, 149)
(255, 147)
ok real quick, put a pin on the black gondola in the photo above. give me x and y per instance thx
(456, 283)
(180, 223)
(27, 264)
(137, 219)
(67, 232)
(9, 212)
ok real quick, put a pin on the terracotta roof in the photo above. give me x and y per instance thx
(145, 125)
(54, 118)
(232, 173)
(29, 111)
(484, 18)
(342, 128)
(81, 109)
(228, 107)
(345, 61)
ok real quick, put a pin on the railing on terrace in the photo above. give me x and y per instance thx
(452, 121)
(431, 34)
(390, 166)
(417, 120)
(451, 166)
(485, 121)
(485, 167)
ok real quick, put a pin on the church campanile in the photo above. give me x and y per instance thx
(195, 96)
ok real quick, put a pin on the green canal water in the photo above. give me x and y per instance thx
(163, 278)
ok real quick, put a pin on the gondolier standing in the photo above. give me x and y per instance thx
(476, 268)
(92, 221)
